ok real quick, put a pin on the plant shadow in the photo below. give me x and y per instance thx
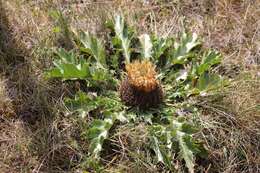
(33, 105)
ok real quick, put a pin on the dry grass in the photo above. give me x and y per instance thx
(231, 128)
(36, 136)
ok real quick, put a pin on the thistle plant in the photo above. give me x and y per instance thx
(159, 78)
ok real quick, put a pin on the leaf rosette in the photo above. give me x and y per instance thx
(165, 72)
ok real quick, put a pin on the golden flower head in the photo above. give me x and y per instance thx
(142, 75)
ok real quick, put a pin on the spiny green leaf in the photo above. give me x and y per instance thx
(65, 56)
(188, 128)
(97, 134)
(185, 151)
(93, 46)
(82, 103)
(85, 103)
(183, 49)
(183, 132)
(160, 152)
(160, 141)
(165, 137)
(160, 45)
(182, 75)
(146, 46)
(208, 60)
(157, 150)
(121, 116)
(99, 131)
(123, 35)
(207, 82)
(99, 74)
(68, 67)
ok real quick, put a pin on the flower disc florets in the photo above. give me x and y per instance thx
(142, 75)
